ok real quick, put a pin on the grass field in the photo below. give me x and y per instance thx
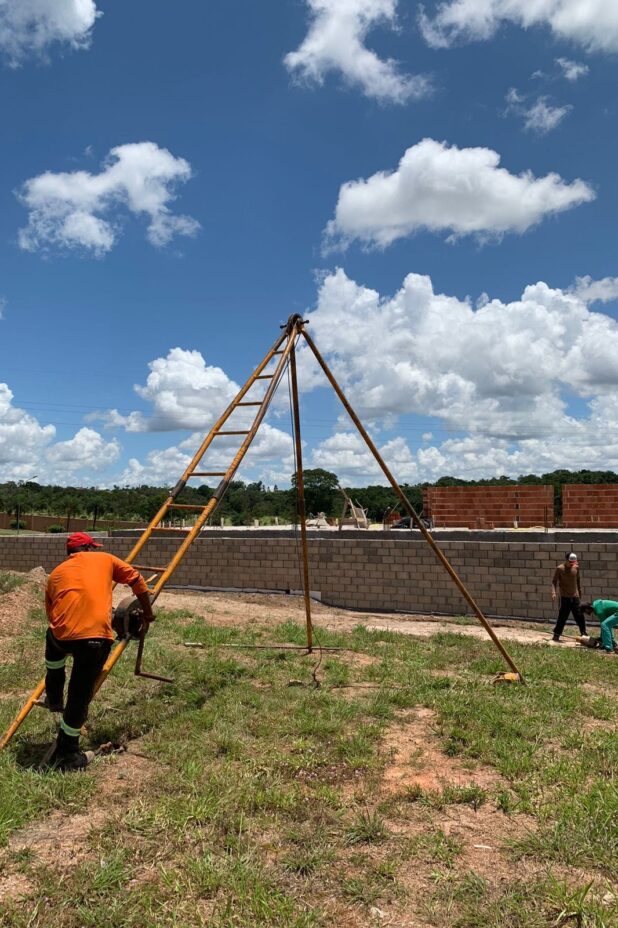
(404, 791)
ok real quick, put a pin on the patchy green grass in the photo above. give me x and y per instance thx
(264, 806)
(10, 581)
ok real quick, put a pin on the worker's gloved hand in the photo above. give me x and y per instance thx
(146, 613)
(145, 621)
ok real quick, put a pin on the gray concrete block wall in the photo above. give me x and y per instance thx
(377, 571)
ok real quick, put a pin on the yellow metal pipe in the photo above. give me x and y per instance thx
(300, 493)
(121, 647)
(23, 712)
(199, 454)
(411, 511)
(216, 499)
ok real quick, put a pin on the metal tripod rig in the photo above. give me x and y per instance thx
(283, 355)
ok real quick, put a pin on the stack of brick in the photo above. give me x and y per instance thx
(489, 507)
(585, 505)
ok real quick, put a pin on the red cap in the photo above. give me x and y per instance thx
(78, 539)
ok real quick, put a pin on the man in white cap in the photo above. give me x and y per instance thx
(566, 584)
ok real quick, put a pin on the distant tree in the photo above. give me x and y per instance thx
(320, 490)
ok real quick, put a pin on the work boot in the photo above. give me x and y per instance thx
(556, 638)
(67, 763)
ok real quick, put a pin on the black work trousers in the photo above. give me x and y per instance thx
(89, 656)
(568, 605)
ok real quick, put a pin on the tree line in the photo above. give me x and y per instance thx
(246, 502)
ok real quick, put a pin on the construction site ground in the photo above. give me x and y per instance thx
(405, 789)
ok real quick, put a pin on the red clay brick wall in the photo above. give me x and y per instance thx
(489, 507)
(590, 506)
(376, 571)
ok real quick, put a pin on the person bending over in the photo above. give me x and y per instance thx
(606, 611)
(78, 603)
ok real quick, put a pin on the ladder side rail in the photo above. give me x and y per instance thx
(223, 485)
(201, 451)
(118, 651)
(219, 493)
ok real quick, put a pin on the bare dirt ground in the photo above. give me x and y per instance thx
(262, 609)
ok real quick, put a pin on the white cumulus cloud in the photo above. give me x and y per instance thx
(336, 42)
(461, 191)
(501, 369)
(592, 24)
(164, 467)
(184, 393)
(542, 117)
(496, 377)
(32, 26)
(596, 291)
(347, 455)
(80, 210)
(22, 439)
(27, 448)
(87, 449)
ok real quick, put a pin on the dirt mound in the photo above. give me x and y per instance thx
(38, 576)
(16, 605)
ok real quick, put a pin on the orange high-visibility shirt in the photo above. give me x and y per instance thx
(78, 597)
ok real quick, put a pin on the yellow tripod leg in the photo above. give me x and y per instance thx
(22, 714)
(38, 692)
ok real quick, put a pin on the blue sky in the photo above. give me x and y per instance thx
(166, 179)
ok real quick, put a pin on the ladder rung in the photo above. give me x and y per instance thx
(153, 570)
(208, 473)
(264, 376)
(246, 432)
(250, 404)
(186, 506)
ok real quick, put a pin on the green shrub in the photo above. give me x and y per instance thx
(16, 524)
(55, 529)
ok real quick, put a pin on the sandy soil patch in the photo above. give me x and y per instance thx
(263, 609)
(415, 759)
(62, 841)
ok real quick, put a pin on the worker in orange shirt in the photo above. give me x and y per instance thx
(78, 602)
